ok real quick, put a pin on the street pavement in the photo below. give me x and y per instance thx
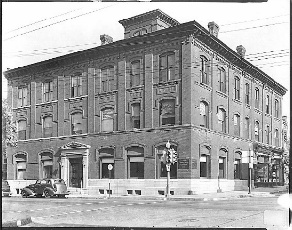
(29, 218)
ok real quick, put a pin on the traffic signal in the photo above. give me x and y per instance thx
(173, 156)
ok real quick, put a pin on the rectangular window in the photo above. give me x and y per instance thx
(135, 73)
(105, 173)
(21, 170)
(247, 128)
(222, 120)
(167, 112)
(222, 167)
(47, 91)
(107, 79)
(222, 78)
(204, 112)
(236, 125)
(204, 69)
(267, 104)
(277, 108)
(22, 96)
(48, 126)
(107, 120)
(137, 167)
(166, 67)
(237, 88)
(205, 166)
(256, 131)
(257, 98)
(237, 164)
(277, 141)
(76, 86)
(136, 116)
(268, 135)
(76, 123)
(21, 130)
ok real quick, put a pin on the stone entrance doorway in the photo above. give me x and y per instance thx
(75, 172)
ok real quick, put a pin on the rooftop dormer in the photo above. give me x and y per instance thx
(147, 23)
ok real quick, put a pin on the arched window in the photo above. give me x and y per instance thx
(20, 160)
(135, 156)
(237, 165)
(205, 162)
(222, 163)
(106, 156)
(247, 94)
(247, 128)
(48, 126)
(166, 67)
(222, 80)
(222, 120)
(76, 85)
(277, 111)
(268, 134)
(21, 127)
(257, 98)
(237, 88)
(204, 70)
(256, 130)
(204, 112)
(267, 104)
(108, 79)
(161, 172)
(167, 112)
(46, 164)
(135, 73)
(236, 121)
(76, 123)
(107, 120)
(276, 135)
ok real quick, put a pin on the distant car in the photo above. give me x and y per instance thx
(47, 188)
(5, 188)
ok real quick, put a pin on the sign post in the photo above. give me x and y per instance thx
(109, 167)
(171, 158)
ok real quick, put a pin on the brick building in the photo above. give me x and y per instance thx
(120, 103)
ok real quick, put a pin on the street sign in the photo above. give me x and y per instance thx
(168, 167)
(110, 167)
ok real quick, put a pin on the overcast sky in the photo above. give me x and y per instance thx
(33, 32)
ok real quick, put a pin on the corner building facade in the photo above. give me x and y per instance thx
(121, 102)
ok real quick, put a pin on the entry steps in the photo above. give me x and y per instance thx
(77, 191)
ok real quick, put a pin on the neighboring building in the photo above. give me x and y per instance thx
(121, 102)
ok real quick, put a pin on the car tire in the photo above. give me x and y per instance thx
(47, 194)
(24, 194)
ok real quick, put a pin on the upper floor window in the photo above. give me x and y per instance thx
(237, 88)
(21, 128)
(167, 112)
(47, 91)
(136, 115)
(108, 79)
(204, 112)
(204, 69)
(276, 135)
(247, 94)
(268, 134)
(257, 98)
(76, 86)
(166, 67)
(76, 123)
(140, 32)
(267, 104)
(135, 73)
(236, 125)
(22, 96)
(256, 131)
(222, 79)
(247, 128)
(48, 126)
(277, 112)
(222, 120)
(107, 120)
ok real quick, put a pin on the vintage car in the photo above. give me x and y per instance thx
(5, 188)
(47, 188)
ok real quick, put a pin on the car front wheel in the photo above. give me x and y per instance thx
(24, 194)
(47, 194)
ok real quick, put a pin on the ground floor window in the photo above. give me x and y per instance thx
(205, 166)
(237, 169)
(47, 169)
(222, 167)
(21, 170)
(136, 169)
(105, 172)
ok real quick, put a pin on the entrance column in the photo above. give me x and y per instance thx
(64, 170)
(85, 169)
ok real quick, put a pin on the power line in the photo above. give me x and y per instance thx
(42, 20)
(248, 28)
(266, 52)
(254, 20)
(261, 58)
(272, 63)
(58, 22)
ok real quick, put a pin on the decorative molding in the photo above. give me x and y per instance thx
(75, 145)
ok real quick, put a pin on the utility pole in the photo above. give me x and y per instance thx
(171, 158)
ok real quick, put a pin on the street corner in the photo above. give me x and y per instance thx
(17, 223)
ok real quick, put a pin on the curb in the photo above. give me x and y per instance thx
(17, 223)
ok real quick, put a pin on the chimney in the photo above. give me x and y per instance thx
(241, 51)
(106, 39)
(213, 29)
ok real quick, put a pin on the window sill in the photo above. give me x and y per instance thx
(237, 101)
(268, 115)
(23, 107)
(222, 94)
(108, 92)
(258, 111)
(135, 87)
(247, 106)
(205, 86)
(170, 82)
